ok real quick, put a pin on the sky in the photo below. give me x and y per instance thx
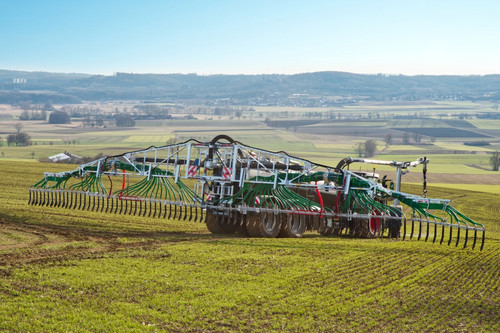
(435, 37)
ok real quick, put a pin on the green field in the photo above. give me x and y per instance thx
(64, 270)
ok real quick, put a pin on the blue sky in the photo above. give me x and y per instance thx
(251, 37)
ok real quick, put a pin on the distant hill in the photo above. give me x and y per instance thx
(307, 89)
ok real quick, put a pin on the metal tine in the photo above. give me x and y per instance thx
(84, 200)
(68, 198)
(140, 208)
(185, 212)
(41, 201)
(33, 196)
(165, 206)
(146, 201)
(117, 200)
(175, 212)
(195, 214)
(85, 197)
(98, 204)
(451, 234)
(482, 241)
(69, 204)
(190, 213)
(150, 208)
(44, 194)
(29, 200)
(203, 215)
(244, 219)
(135, 207)
(412, 226)
(93, 202)
(63, 196)
(160, 205)
(77, 199)
(50, 198)
(126, 206)
(458, 236)
(474, 241)
(54, 198)
(103, 203)
(466, 237)
(145, 210)
(121, 205)
(127, 210)
(169, 211)
(442, 234)
(419, 228)
(428, 229)
(403, 222)
(180, 213)
(435, 231)
(156, 209)
(90, 199)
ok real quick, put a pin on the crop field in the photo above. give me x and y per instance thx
(65, 270)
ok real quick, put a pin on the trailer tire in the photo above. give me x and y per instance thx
(263, 225)
(293, 226)
(215, 225)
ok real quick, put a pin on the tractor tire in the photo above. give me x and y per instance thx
(292, 226)
(216, 226)
(266, 225)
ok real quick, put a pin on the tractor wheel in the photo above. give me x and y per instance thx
(263, 225)
(215, 224)
(292, 226)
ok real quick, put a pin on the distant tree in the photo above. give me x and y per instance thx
(388, 139)
(124, 120)
(370, 147)
(59, 117)
(18, 127)
(495, 160)
(238, 114)
(18, 139)
(359, 149)
(406, 138)
(417, 137)
(1, 141)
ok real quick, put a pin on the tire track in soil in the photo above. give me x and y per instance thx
(99, 243)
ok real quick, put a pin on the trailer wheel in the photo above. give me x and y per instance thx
(215, 225)
(367, 228)
(292, 226)
(263, 225)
